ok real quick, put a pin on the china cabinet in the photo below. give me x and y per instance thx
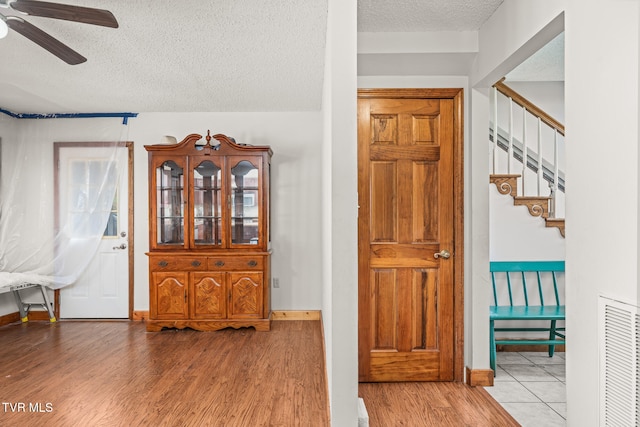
(209, 242)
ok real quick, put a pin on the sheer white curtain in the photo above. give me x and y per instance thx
(49, 234)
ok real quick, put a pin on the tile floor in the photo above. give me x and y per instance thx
(531, 386)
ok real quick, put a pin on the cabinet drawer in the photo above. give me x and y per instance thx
(174, 263)
(242, 263)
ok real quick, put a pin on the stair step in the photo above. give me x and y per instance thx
(537, 205)
(556, 222)
(505, 183)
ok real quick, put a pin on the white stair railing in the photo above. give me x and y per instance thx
(522, 133)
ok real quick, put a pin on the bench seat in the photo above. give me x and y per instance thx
(523, 312)
(534, 293)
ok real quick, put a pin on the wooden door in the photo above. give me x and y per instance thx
(104, 290)
(407, 219)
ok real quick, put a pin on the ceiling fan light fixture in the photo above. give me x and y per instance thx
(48, 9)
(4, 29)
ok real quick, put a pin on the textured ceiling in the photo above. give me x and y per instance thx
(213, 55)
(547, 64)
(423, 15)
(191, 55)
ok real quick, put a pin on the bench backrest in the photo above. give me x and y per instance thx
(521, 270)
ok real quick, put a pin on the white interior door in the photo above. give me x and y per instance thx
(102, 291)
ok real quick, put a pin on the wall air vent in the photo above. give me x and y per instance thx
(619, 364)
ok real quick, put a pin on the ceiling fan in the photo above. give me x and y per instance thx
(85, 15)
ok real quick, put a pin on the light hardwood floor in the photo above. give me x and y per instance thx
(117, 374)
(76, 373)
(446, 404)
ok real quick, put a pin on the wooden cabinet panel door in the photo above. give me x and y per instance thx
(170, 295)
(246, 295)
(406, 215)
(208, 295)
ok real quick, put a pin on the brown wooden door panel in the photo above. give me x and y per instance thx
(404, 306)
(403, 255)
(246, 295)
(382, 153)
(425, 200)
(170, 295)
(384, 209)
(406, 187)
(390, 366)
(393, 106)
(208, 296)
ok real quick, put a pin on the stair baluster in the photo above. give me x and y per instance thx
(495, 129)
(524, 148)
(544, 206)
(539, 171)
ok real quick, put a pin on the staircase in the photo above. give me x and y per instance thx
(527, 152)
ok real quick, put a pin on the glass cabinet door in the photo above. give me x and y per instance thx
(207, 200)
(170, 206)
(245, 212)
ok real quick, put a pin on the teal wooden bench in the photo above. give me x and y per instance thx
(523, 300)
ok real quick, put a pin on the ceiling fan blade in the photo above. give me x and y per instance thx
(85, 15)
(43, 39)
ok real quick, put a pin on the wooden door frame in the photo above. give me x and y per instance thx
(56, 182)
(456, 95)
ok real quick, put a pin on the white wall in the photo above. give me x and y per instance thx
(601, 106)
(327, 288)
(549, 96)
(367, 82)
(518, 236)
(476, 268)
(340, 197)
(534, 241)
(489, 233)
(296, 140)
(602, 209)
(501, 48)
(516, 30)
(8, 135)
(28, 169)
(455, 82)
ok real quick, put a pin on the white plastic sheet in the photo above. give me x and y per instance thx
(40, 238)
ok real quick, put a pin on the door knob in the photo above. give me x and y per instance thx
(442, 254)
(122, 246)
